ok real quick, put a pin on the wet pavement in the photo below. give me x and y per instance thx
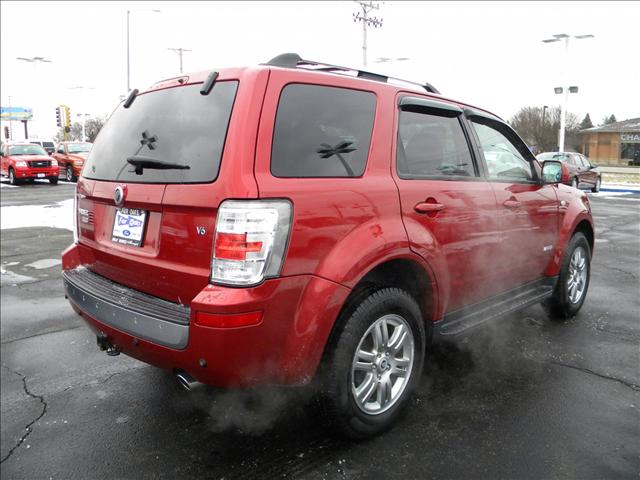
(523, 398)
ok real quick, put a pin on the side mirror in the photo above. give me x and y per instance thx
(552, 172)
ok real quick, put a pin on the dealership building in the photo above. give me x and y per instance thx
(614, 144)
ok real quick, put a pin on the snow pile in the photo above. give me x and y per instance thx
(58, 215)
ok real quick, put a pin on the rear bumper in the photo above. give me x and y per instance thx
(285, 348)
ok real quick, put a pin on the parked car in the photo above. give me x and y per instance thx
(579, 172)
(71, 157)
(27, 161)
(48, 145)
(281, 224)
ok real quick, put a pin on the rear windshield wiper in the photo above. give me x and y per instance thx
(147, 162)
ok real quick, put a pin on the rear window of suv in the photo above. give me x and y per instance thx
(176, 126)
(322, 132)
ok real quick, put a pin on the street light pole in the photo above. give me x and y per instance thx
(33, 61)
(128, 60)
(565, 85)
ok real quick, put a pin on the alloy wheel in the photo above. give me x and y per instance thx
(577, 279)
(382, 364)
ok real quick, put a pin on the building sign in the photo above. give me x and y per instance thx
(630, 137)
(15, 113)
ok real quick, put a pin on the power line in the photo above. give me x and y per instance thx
(179, 51)
(367, 21)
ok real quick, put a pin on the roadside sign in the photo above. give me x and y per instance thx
(15, 113)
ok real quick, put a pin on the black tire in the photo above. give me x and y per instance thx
(574, 182)
(53, 180)
(596, 188)
(12, 177)
(560, 307)
(69, 174)
(336, 400)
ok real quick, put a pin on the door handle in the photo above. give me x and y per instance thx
(512, 203)
(424, 207)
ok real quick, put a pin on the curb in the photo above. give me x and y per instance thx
(626, 190)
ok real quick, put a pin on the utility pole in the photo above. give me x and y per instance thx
(179, 51)
(367, 21)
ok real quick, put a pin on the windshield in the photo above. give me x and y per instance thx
(79, 147)
(176, 126)
(26, 150)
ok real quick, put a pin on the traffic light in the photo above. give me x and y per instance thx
(58, 119)
(6, 133)
(67, 117)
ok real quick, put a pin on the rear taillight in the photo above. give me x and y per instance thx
(250, 241)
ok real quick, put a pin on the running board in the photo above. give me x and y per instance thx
(465, 319)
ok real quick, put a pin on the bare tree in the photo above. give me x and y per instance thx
(539, 128)
(91, 127)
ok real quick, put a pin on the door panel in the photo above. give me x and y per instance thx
(528, 210)
(449, 211)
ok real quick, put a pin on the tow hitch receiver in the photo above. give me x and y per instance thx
(105, 345)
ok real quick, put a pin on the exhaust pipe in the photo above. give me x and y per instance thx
(187, 381)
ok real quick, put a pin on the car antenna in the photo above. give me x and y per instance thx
(208, 83)
(130, 98)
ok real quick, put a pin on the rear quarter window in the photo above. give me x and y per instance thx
(322, 132)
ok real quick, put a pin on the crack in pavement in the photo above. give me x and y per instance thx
(632, 386)
(40, 334)
(632, 275)
(28, 428)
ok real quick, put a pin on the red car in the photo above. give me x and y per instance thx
(26, 161)
(578, 171)
(71, 157)
(298, 221)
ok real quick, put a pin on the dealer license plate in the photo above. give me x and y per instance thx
(128, 226)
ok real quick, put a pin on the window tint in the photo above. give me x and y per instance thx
(503, 159)
(322, 132)
(173, 126)
(432, 145)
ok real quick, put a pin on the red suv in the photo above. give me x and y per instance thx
(578, 171)
(299, 220)
(27, 161)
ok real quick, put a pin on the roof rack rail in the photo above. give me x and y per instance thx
(293, 60)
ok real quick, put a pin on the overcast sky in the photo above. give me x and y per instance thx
(485, 53)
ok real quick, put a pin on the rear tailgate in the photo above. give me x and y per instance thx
(175, 207)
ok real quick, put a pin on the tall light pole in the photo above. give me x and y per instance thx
(565, 87)
(128, 44)
(84, 119)
(33, 61)
(366, 22)
(179, 51)
(83, 102)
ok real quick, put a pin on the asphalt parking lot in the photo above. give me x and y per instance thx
(525, 398)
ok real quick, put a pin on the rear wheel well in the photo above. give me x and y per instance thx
(585, 228)
(406, 275)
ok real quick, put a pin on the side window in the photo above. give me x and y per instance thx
(322, 132)
(432, 144)
(60, 149)
(2, 151)
(571, 160)
(504, 160)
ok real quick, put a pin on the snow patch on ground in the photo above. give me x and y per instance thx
(45, 263)
(10, 278)
(58, 215)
